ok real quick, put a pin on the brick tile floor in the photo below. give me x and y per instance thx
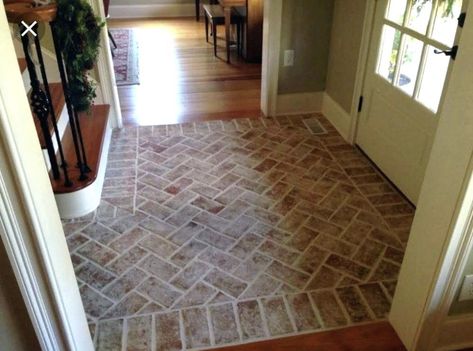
(218, 233)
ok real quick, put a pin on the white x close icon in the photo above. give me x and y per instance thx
(28, 28)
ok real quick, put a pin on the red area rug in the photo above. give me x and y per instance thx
(125, 60)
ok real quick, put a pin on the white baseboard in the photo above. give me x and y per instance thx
(456, 334)
(339, 118)
(150, 11)
(291, 104)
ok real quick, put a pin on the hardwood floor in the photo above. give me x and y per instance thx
(372, 337)
(181, 80)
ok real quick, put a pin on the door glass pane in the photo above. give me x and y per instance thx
(446, 21)
(420, 15)
(396, 11)
(411, 54)
(389, 48)
(433, 80)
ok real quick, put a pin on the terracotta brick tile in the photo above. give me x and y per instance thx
(94, 276)
(95, 304)
(219, 259)
(186, 278)
(159, 268)
(329, 309)
(302, 311)
(324, 278)
(139, 333)
(123, 285)
(288, 275)
(159, 292)
(354, 305)
(130, 305)
(196, 328)
(276, 316)
(109, 335)
(278, 252)
(224, 324)
(187, 252)
(347, 266)
(167, 329)
(377, 300)
(250, 320)
(225, 282)
(369, 252)
(264, 285)
(245, 246)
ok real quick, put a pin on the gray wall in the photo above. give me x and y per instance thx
(347, 30)
(16, 330)
(306, 26)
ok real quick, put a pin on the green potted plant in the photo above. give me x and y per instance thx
(79, 41)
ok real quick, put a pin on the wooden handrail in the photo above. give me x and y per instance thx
(24, 10)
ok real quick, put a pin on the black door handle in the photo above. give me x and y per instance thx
(452, 53)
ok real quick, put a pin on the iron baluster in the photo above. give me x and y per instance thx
(40, 106)
(81, 141)
(67, 181)
(70, 109)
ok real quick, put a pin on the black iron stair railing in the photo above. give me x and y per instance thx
(24, 13)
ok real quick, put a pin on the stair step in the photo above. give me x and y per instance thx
(22, 64)
(58, 100)
(93, 126)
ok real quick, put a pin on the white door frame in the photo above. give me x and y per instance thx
(271, 56)
(363, 56)
(443, 221)
(31, 230)
(104, 64)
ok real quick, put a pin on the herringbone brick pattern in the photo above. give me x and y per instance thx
(221, 232)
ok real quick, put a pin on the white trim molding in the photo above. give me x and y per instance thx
(271, 46)
(336, 115)
(292, 104)
(108, 84)
(31, 229)
(152, 10)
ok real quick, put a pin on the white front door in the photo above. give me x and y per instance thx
(404, 85)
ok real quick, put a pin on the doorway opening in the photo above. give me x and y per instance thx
(167, 72)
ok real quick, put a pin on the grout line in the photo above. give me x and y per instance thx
(124, 334)
(290, 314)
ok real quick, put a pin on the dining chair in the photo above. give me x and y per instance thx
(215, 16)
(197, 8)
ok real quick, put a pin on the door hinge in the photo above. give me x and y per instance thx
(360, 104)
(461, 20)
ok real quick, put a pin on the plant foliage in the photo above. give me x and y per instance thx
(78, 33)
(446, 5)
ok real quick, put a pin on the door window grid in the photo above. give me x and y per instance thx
(399, 21)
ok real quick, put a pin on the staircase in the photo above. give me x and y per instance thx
(75, 145)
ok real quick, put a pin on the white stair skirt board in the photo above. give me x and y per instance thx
(293, 104)
(84, 201)
(339, 118)
(155, 10)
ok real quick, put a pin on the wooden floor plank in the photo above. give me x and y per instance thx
(181, 80)
(372, 337)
